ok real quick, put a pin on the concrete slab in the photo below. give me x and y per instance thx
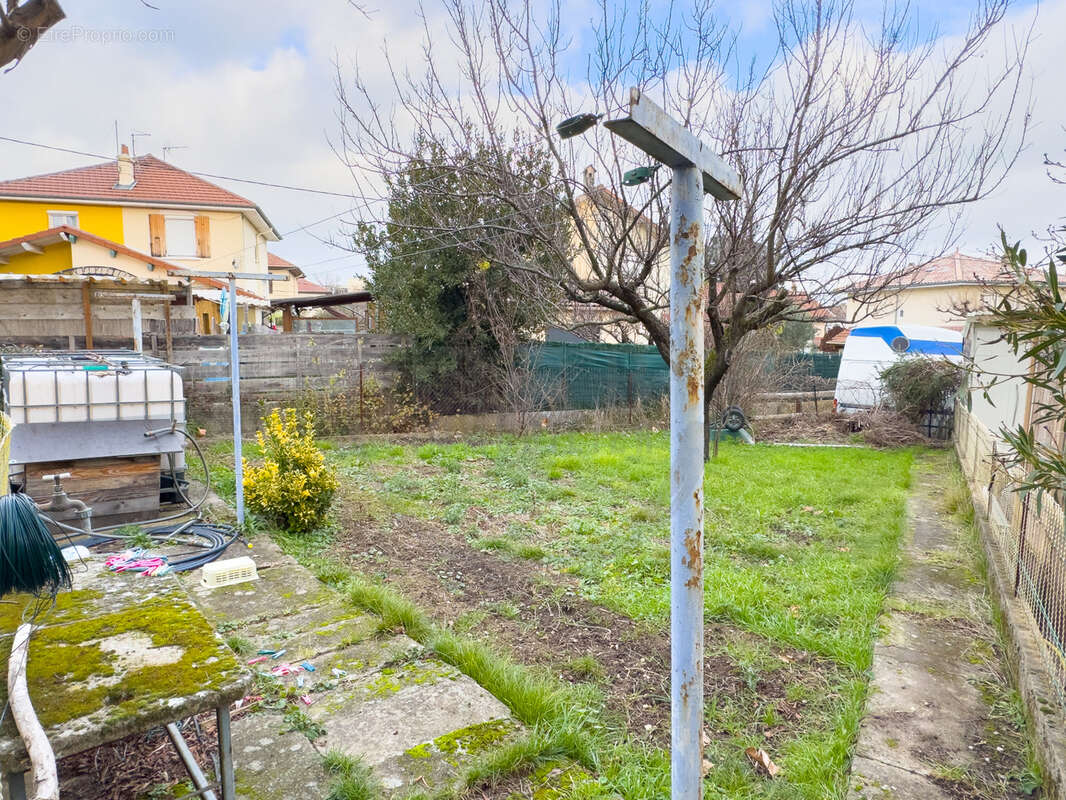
(385, 717)
(264, 551)
(943, 590)
(436, 765)
(918, 718)
(278, 592)
(928, 643)
(875, 780)
(365, 658)
(275, 765)
(312, 631)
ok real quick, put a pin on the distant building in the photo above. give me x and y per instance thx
(137, 219)
(940, 293)
(279, 266)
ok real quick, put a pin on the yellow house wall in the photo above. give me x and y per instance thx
(63, 255)
(55, 258)
(21, 217)
(211, 309)
(283, 289)
(90, 254)
(926, 305)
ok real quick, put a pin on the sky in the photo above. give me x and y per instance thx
(248, 89)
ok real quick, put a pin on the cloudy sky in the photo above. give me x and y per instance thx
(247, 89)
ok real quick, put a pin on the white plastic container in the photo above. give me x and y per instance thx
(54, 390)
(228, 572)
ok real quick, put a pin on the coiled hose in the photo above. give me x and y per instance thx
(216, 538)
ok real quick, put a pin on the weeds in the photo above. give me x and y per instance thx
(239, 645)
(297, 720)
(354, 780)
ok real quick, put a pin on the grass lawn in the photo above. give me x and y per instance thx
(553, 550)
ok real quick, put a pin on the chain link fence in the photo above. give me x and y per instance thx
(1028, 532)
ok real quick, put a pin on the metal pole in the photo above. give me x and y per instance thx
(225, 753)
(686, 484)
(138, 325)
(235, 387)
(189, 760)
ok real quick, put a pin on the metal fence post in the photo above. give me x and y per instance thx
(235, 385)
(686, 484)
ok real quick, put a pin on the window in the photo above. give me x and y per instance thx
(57, 218)
(181, 237)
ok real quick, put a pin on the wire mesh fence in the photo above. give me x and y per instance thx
(1030, 535)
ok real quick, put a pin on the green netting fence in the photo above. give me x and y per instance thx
(582, 376)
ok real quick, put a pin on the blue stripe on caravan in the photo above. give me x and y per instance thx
(927, 347)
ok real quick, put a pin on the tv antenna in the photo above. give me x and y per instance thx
(133, 141)
(168, 147)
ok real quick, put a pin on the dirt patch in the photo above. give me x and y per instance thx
(138, 764)
(538, 616)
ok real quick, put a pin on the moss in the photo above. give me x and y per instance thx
(71, 676)
(419, 751)
(474, 739)
(561, 780)
(391, 679)
(68, 607)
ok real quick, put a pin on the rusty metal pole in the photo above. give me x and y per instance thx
(697, 170)
(686, 484)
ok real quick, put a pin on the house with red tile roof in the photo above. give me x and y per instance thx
(280, 266)
(138, 218)
(939, 292)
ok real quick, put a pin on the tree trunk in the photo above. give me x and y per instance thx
(23, 24)
(42, 759)
(711, 380)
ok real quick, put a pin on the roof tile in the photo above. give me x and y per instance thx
(155, 182)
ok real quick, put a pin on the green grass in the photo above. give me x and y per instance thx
(353, 779)
(801, 545)
(606, 520)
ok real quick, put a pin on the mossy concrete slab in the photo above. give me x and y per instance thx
(264, 551)
(918, 717)
(278, 592)
(437, 764)
(876, 780)
(365, 660)
(311, 632)
(936, 645)
(275, 766)
(382, 718)
(97, 674)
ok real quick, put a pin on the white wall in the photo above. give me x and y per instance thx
(1005, 405)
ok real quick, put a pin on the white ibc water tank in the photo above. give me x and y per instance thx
(91, 404)
(56, 393)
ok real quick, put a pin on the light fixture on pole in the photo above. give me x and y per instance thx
(697, 171)
(576, 125)
(635, 177)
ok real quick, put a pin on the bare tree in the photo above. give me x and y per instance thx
(857, 145)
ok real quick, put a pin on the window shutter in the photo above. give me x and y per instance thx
(203, 236)
(157, 233)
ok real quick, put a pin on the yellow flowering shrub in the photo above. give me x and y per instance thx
(293, 486)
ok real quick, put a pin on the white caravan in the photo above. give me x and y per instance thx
(869, 349)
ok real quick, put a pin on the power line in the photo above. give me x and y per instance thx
(253, 181)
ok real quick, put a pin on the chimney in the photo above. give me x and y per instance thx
(590, 177)
(125, 170)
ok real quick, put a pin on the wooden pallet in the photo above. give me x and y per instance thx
(118, 489)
